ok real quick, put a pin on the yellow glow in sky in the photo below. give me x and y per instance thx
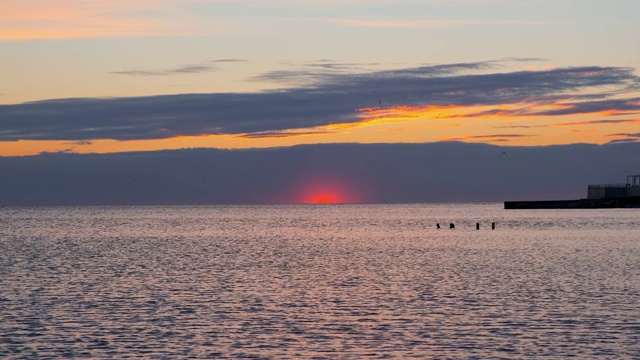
(62, 49)
(383, 125)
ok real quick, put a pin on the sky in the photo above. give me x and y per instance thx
(315, 101)
(112, 76)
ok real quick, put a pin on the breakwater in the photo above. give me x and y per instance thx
(629, 202)
(602, 196)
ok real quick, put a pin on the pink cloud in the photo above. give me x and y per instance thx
(59, 19)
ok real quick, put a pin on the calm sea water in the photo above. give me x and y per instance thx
(323, 282)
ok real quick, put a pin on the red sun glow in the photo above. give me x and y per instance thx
(323, 198)
(328, 191)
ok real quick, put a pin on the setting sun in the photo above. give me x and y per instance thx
(327, 190)
(323, 198)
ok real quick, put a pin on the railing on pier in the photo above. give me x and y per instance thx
(608, 186)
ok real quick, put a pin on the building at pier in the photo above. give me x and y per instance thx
(616, 191)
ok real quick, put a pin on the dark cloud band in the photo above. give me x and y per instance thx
(331, 98)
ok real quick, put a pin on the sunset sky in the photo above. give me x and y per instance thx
(111, 76)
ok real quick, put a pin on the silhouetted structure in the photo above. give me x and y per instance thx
(616, 191)
(598, 196)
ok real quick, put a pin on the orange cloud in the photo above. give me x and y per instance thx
(409, 113)
(488, 138)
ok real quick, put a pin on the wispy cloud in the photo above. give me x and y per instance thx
(624, 138)
(81, 143)
(489, 137)
(520, 126)
(180, 70)
(281, 134)
(574, 123)
(229, 61)
(332, 102)
(631, 135)
(624, 141)
(56, 19)
(599, 122)
(326, 71)
(605, 107)
(434, 23)
(498, 136)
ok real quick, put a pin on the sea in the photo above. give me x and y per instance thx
(319, 282)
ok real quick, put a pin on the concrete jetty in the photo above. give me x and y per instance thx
(601, 196)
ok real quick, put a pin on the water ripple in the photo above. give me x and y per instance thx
(335, 282)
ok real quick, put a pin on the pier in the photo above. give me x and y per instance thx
(600, 196)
